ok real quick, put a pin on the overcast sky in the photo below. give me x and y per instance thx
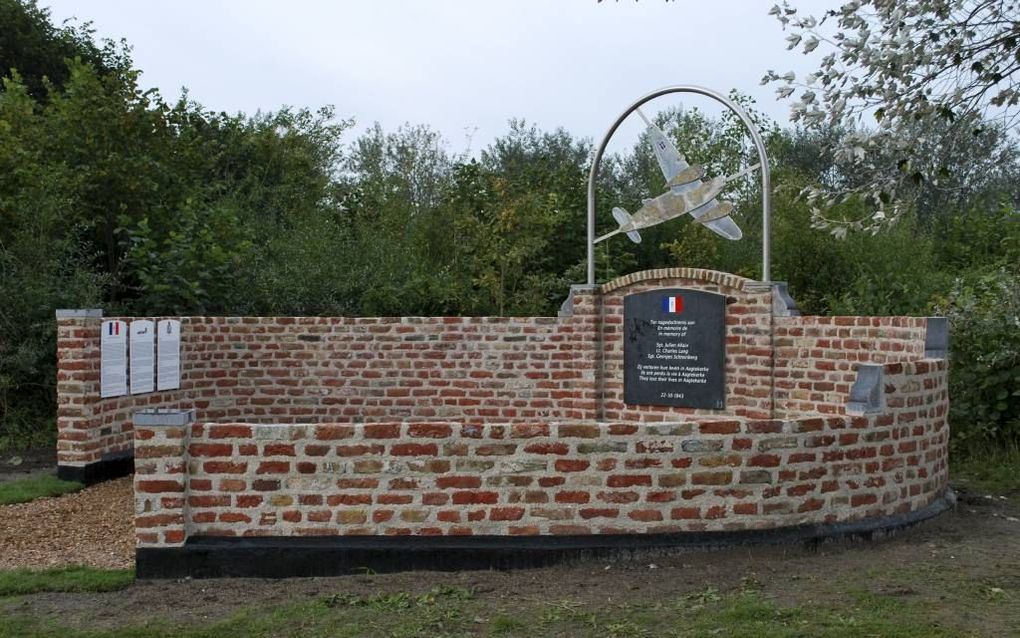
(460, 66)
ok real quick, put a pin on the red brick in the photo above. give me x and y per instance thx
(811, 505)
(685, 513)
(430, 430)
(224, 467)
(571, 465)
(863, 499)
(273, 467)
(618, 497)
(394, 499)
(578, 431)
(719, 427)
(209, 501)
(173, 536)
(465, 498)
(645, 515)
(547, 448)
(506, 513)
(414, 449)
(279, 449)
(435, 498)
(348, 499)
(156, 487)
(357, 483)
(598, 512)
(159, 520)
(712, 478)
(382, 431)
(572, 497)
(210, 449)
(763, 460)
(333, 432)
(232, 431)
(460, 482)
(745, 508)
(529, 430)
(629, 480)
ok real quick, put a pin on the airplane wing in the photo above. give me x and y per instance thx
(724, 226)
(671, 162)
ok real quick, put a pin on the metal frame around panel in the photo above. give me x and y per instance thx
(766, 180)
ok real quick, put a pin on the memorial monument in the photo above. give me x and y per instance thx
(667, 409)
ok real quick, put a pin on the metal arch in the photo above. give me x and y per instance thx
(766, 180)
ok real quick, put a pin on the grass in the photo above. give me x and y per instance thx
(991, 469)
(18, 582)
(29, 489)
(452, 612)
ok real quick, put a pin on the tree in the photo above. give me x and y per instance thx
(906, 81)
(31, 44)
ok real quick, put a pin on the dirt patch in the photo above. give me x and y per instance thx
(970, 553)
(28, 463)
(93, 527)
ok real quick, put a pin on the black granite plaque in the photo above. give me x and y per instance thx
(674, 349)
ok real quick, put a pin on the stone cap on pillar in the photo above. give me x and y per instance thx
(866, 395)
(936, 338)
(567, 308)
(79, 313)
(164, 416)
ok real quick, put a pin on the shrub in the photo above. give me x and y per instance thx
(984, 315)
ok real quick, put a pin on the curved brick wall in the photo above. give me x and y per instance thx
(475, 369)
(542, 477)
(479, 425)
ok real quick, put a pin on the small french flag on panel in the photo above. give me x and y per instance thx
(674, 305)
(113, 328)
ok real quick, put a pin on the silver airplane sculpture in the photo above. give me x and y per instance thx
(687, 194)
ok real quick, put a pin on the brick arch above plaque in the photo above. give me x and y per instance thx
(674, 348)
(699, 276)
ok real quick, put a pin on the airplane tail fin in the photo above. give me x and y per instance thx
(622, 218)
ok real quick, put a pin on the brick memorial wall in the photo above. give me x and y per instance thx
(517, 426)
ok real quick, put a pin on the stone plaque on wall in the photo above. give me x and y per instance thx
(674, 349)
(113, 359)
(142, 355)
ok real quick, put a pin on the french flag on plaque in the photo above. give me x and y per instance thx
(113, 328)
(673, 305)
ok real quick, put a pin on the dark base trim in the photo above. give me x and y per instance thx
(290, 556)
(109, 467)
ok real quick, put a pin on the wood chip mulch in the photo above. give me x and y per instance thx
(93, 527)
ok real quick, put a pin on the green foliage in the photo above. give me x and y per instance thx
(19, 582)
(24, 490)
(37, 49)
(196, 265)
(111, 197)
(984, 315)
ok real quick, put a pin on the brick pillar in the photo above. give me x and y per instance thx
(161, 480)
(584, 392)
(78, 335)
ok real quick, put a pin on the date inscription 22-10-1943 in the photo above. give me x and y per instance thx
(675, 349)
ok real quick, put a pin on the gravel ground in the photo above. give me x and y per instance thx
(93, 527)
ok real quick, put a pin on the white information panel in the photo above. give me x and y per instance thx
(168, 354)
(113, 359)
(143, 355)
